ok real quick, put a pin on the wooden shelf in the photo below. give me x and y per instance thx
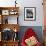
(4, 13)
(9, 10)
(10, 26)
(11, 41)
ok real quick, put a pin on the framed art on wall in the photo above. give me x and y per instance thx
(5, 12)
(29, 13)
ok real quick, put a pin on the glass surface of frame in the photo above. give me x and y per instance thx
(29, 13)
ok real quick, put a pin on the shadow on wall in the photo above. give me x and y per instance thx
(37, 29)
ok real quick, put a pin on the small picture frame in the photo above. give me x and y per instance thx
(29, 13)
(5, 12)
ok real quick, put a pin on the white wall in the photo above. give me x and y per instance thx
(27, 3)
(39, 12)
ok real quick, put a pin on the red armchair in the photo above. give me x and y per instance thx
(28, 34)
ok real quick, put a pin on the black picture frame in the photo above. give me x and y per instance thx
(29, 13)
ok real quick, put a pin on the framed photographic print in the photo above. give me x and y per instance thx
(29, 13)
(5, 12)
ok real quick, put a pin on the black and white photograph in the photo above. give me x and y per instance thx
(29, 13)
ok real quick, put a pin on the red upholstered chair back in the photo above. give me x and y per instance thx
(29, 33)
